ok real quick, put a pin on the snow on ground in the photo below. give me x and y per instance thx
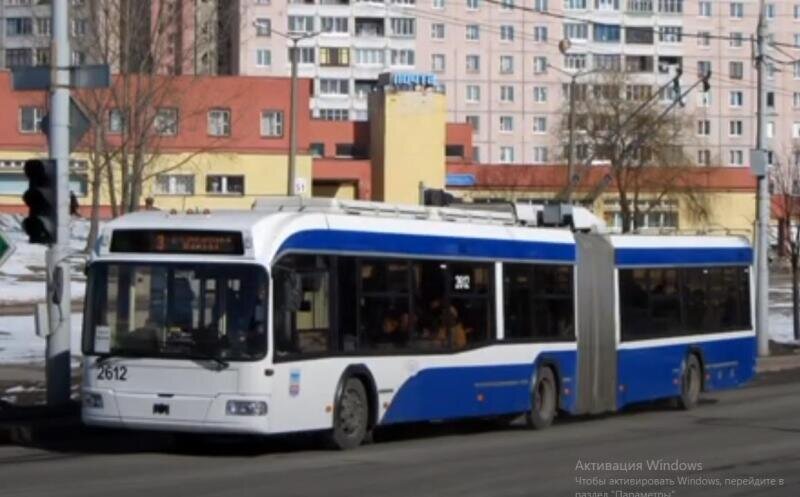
(22, 275)
(19, 343)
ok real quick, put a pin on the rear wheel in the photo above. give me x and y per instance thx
(350, 416)
(691, 383)
(543, 401)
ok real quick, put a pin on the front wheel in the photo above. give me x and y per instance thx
(350, 416)
(691, 383)
(543, 401)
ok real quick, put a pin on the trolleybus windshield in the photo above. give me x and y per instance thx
(199, 311)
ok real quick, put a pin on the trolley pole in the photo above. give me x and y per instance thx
(763, 201)
(58, 271)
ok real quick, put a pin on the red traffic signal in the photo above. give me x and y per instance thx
(42, 201)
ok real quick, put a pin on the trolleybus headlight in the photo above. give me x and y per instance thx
(245, 408)
(93, 400)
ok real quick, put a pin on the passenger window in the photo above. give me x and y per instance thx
(470, 313)
(302, 305)
(384, 311)
(665, 302)
(539, 302)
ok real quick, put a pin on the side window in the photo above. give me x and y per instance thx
(665, 302)
(634, 303)
(539, 302)
(302, 305)
(470, 299)
(384, 318)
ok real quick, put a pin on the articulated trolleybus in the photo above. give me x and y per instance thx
(337, 316)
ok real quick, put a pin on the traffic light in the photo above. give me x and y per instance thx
(42, 201)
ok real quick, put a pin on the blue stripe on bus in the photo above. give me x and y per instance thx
(682, 256)
(655, 372)
(427, 245)
(469, 391)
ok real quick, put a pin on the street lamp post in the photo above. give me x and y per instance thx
(295, 39)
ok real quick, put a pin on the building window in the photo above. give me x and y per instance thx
(576, 31)
(506, 4)
(473, 93)
(473, 32)
(19, 26)
(540, 34)
(473, 4)
(539, 94)
(506, 155)
(219, 122)
(305, 55)
(540, 6)
(540, 155)
(736, 158)
(437, 62)
(402, 57)
(225, 184)
(704, 127)
(506, 93)
(174, 184)
(43, 26)
(796, 100)
(166, 121)
(575, 4)
(736, 98)
(403, 27)
(476, 154)
(30, 119)
(370, 56)
(703, 39)
(334, 114)
(736, 69)
(272, 123)
(263, 57)
(475, 122)
(608, 62)
(42, 56)
(263, 27)
(506, 64)
(735, 40)
(639, 35)
(329, 86)
(539, 124)
(334, 57)
(18, 57)
(506, 32)
(540, 65)
(607, 33)
(301, 24)
(670, 34)
(78, 58)
(575, 61)
(317, 149)
(334, 25)
(703, 67)
(437, 31)
(796, 68)
(116, 121)
(670, 6)
(79, 27)
(437, 4)
(770, 132)
(704, 157)
(506, 124)
(796, 130)
(735, 127)
(737, 10)
(704, 8)
(607, 5)
(473, 64)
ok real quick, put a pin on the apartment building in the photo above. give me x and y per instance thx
(165, 36)
(501, 67)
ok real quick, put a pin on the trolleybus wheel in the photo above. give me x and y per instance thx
(690, 383)
(543, 401)
(350, 416)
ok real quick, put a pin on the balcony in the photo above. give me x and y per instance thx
(369, 28)
(639, 7)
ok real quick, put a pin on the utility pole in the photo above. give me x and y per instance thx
(763, 200)
(290, 189)
(57, 367)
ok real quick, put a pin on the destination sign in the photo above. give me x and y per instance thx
(177, 242)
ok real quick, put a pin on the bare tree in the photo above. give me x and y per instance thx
(785, 177)
(641, 145)
(147, 47)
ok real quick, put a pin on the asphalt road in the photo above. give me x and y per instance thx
(749, 433)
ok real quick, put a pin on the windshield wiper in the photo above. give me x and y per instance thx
(101, 359)
(220, 363)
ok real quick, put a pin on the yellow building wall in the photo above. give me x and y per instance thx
(264, 175)
(407, 144)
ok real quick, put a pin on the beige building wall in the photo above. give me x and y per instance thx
(407, 143)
